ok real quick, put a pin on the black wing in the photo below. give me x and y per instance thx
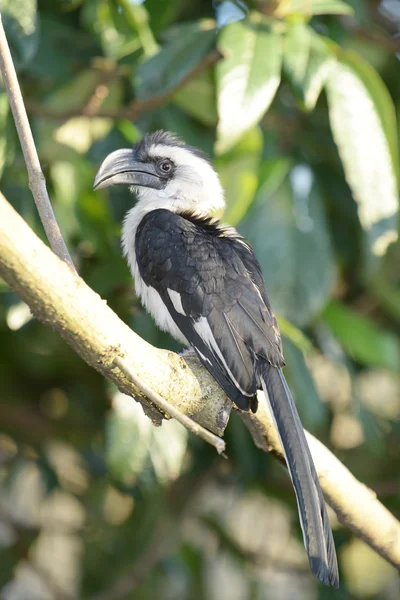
(212, 286)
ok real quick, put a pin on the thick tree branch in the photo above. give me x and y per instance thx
(168, 408)
(37, 182)
(60, 299)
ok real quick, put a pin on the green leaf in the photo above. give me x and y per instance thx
(364, 341)
(133, 444)
(247, 78)
(363, 123)
(161, 19)
(75, 93)
(117, 37)
(110, 272)
(238, 171)
(293, 334)
(386, 293)
(137, 18)
(57, 57)
(19, 18)
(296, 52)
(307, 62)
(167, 69)
(288, 230)
(312, 409)
(69, 5)
(9, 555)
(313, 7)
(198, 98)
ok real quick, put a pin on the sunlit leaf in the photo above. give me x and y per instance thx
(136, 17)
(364, 127)
(313, 7)
(117, 38)
(288, 230)
(367, 573)
(308, 61)
(293, 334)
(238, 171)
(127, 444)
(362, 339)
(296, 52)
(247, 78)
(321, 62)
(164, 71)
(80, 132)
(133, 444)
(20, 24)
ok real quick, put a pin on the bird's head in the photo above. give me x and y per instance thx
(164, 172)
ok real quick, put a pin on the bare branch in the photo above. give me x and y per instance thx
(37, 182)
(60, 299)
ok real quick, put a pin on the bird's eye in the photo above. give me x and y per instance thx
(165, 166)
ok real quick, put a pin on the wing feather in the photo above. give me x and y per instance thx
(221, 309)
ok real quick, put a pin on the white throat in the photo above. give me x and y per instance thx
(196, 188)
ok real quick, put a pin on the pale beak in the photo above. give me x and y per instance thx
(122, 168)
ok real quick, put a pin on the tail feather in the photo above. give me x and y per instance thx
(317, 533)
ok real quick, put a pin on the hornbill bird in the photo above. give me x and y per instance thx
(201, 282)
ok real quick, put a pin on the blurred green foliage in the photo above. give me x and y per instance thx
(297, 101)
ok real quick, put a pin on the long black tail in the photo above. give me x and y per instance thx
(317, 533)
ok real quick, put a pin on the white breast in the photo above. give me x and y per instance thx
(149, 297)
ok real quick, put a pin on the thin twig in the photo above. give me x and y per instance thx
(37, 182)
(167, 408)
(136, 107)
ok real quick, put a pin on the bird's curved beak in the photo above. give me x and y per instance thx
(122, 168)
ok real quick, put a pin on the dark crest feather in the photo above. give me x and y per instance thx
(163, 138)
